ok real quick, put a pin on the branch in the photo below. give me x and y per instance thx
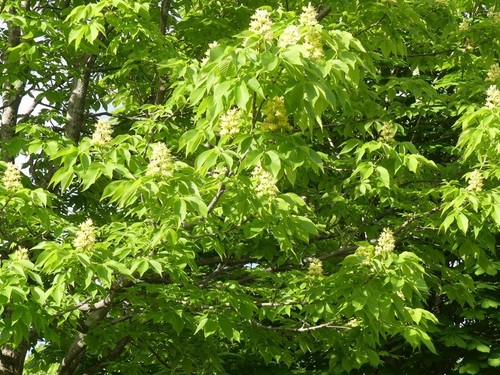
(340, 252)
(96, 306)
(157, 356)
(72, 308)
(301, 329)
(325, 12)
(216, 198)
(114, 354)
(73, 356)
(371, 26)
(165, 8)
(413, 218)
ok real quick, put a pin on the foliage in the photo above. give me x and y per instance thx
(235, 187)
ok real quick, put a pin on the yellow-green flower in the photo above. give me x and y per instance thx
(11, 179)
(492, 97)
(315, 268)
(85, 236)
(261, 24)
(21, 254)
(275, 116)
(308, 16)
(265, 183)
(464, 26)
(386, 242)
(290, 36)
(475, 181)
(160, 164)
(313, 44)
(103, 133)
(493, 73)
(387, 132)
(230, 122)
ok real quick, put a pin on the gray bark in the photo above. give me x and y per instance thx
(77, 350)
(76, 107)
(12, 360)
(12, 93)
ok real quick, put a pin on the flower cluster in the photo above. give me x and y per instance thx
(261, 24)
(387, 132)
(265, 183)
(313, 44)
(492, 97)
(353, 323)
(290, 36)
(275, 117)
(308, 16)
(315, 268)
(103, 133)
(230, 122)
(206, 57)
(493, 73)
(475, 181)
(464, 26)
(366, 253)
(386, 242)
(21, 254)
(12, 178)
(85, 236)
(160, 163)
(494, 16)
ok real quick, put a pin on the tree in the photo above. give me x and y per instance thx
(248, 187)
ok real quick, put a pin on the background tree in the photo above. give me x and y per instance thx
(249, 187)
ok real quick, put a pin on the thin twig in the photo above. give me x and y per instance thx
(371, 26)
(157, 356)
(301, 329)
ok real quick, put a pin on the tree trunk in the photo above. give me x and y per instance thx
(13, 93)
(76, 108)
(12, 360)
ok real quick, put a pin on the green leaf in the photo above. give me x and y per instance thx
(201, 324)
(462, 222)
(156, 266)
(384, 176)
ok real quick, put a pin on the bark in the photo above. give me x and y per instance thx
(12, 360)
(165, 8)
(75, 116)
(113, 355)
(11, 100)
(161, 82)
(76, 351)
(13, 93)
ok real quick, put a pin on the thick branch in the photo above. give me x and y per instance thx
(113, 355)
(77, 350)
(165, 8)
(325, 12)
(73, 356)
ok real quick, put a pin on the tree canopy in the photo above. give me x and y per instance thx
(249, 187)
